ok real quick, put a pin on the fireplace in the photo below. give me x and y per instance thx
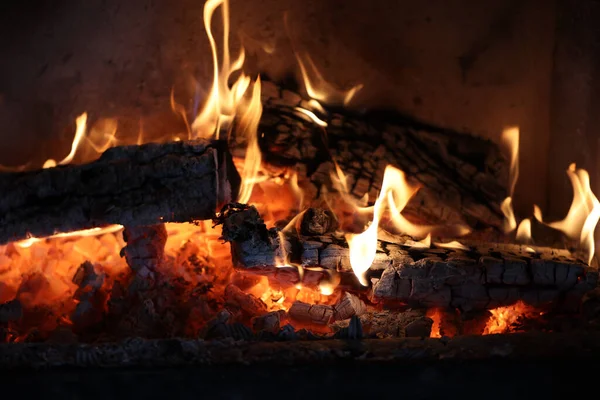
(270, 207)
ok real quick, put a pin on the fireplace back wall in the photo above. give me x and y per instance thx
(464, 64)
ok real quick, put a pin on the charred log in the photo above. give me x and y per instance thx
(481, 276)
(178, 352)
(129, 185)
(461, 175)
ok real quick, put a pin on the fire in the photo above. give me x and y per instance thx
(395, 194)
(583, 215)
(524, 231)
(510, 137)
(81, 123)
(436, 316)
(503, 318)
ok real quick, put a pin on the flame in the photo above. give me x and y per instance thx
(82, 233)
(452, 245)
(223, 101)
(583, 215)
(317, 87)
(248, 128)
(395, 194)
(311, 116)
(227, 104)
(81, 123)
(436, 316)
(524, 231)
(298, 193)
(503, 317)
(510, 137)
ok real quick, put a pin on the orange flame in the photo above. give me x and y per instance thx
(503, 318)
(510, 137)
(225, 103)
(395, 193)
(524, 231)
(583, 215)
(81, 122)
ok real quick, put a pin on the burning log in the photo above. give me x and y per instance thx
(129, 185)
(478, 277)
(144, 252)
(320, 314)
(349, 306)
(385, 324)
(461, 175)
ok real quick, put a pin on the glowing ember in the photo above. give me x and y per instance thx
(503, 318)
(436, 316)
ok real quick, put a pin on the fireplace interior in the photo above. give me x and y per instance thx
(342, 190)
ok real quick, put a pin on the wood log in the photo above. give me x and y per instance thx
(144, 252)
(320, 314)
(387, 324)
(129, 185)
(477, 277)
(248, 303)
(462, 176)
(569, 348)
(348, 306)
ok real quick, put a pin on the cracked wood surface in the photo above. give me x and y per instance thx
(463, 177)
(483, 276)
(128, 185)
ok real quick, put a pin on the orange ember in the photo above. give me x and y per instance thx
(503, 318)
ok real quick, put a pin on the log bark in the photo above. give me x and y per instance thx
(462, 176)
(129, 185)
(482, 276)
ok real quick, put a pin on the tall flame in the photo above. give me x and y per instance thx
(395, 194)
(228, 104)
(583, 215)
(220, 108)
(81, 123)
(510, 137)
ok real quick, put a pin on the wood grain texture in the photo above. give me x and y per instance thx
(463, 177)
(482, 276)
(129, 185)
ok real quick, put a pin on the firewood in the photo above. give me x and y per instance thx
(387, 323)
(461, 175)
(175, 352)
(484, 276)
(248, 303)
(317, 221)
(144, 252)
(269, 322)
(319, 314)
(349, 306)
(11, 311)
(128, 185)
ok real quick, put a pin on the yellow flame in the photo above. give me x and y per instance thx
(510, 138)
(452, 245)
(583, 215)
(317, 87)
(311, 116)
(299, 193)
(82, 233)
(81, 123)
(395, 194)
(524, 231)
(220, 108)
(248, 128)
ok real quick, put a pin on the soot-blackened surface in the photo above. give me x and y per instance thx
(492, 379)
